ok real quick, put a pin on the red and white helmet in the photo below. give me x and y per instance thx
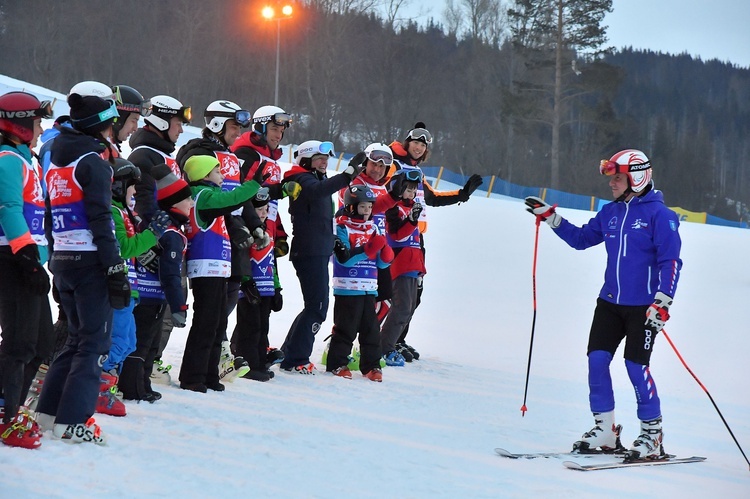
(632, 162)
(18, 110)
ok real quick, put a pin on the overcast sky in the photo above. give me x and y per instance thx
(706, 28)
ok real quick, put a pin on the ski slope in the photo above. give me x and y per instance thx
(430, 428)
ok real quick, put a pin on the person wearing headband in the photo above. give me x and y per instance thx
(642, 241)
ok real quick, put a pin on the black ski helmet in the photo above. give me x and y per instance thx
(125, 174)
(128, 100)
(356, 194)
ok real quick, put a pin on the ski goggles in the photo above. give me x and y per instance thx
(43, 111)
(143, 108)
(100, 117)
(420, 134)
(280, 119)
(242, 116)
(311, 149)
(609, 167)
(411, 175)
(380, 156)
(263, 194)
(185, 113)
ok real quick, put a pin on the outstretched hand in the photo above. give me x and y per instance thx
(543, 211)
(356, 165)
(471, 185)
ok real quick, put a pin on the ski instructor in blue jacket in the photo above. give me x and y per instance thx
(642, 241)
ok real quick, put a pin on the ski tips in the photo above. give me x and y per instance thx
(523, 410)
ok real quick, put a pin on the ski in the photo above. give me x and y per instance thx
(669, 459)
(554, 455)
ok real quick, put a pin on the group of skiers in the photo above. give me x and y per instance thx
(123, 236)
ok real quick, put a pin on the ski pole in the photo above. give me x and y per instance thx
(709, 395)
(533, 321)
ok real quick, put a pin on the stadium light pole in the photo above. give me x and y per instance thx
(270, 14)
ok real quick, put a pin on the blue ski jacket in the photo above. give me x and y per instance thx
(643, 247)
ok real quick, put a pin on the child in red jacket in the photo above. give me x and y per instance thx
(402, 232)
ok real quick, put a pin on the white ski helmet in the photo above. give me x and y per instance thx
(163, 108)
(265, 114)
(379, 152)
(632, 162)
(306, 150)
(92, 88)
(219, 111)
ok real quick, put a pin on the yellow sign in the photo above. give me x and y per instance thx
(690, 216)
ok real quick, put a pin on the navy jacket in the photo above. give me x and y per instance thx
(312, 212)
(95, 177)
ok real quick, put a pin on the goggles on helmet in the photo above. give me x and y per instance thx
(242, 117)
(43, 111)
(99, 117)
(185, 113)
(324, 149)
(609, 167)
(263, 194)
(144, 108)
(412, 175)
(281, 119)
(380, 155)
(421, 134)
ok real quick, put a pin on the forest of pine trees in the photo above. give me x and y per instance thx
(352, 77)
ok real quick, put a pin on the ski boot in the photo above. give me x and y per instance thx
(648, 445)
(603, 438)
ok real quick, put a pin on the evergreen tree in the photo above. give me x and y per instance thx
(550, 34)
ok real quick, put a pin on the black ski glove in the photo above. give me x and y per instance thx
(250, 290)
(150, 259)
(340, 250)
(241, 237)
(118, 286)
(37, 279)
(471, 186)
(415, 211)
(356, 165)
(277, 302)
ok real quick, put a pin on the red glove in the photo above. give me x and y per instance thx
(386, 254)
(374, 245)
